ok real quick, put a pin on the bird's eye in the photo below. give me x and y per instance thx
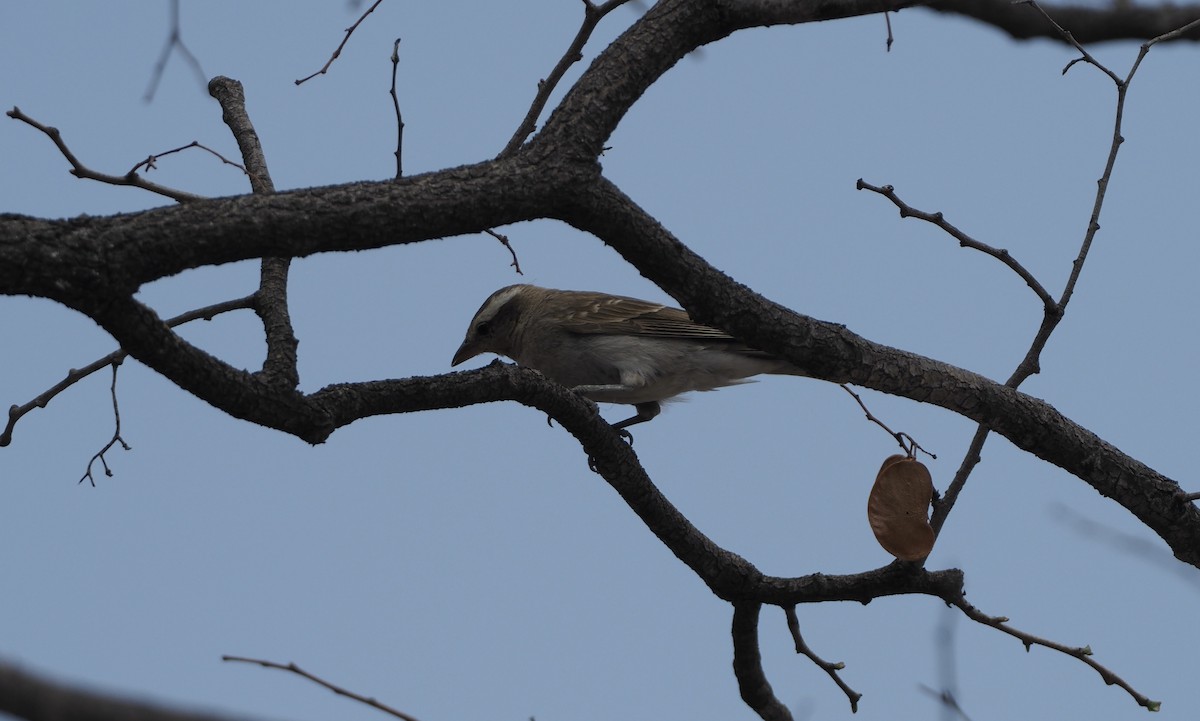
(483, 328)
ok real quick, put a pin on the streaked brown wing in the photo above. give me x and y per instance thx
(616, 314)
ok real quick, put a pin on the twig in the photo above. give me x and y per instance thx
(910, 448)
(174, 40)
(116, 438)
(396, 105)
(504, 241)
(943, 505)
(964, 240)
(322, 682)
(888, 20)
(1084, 55)
(1082, 653)
(79, 170)
(1144, 550)
(830, 668)
(151, 161)
(349, 31)
(947, 664)
(592, 15)
(946, 698)
(75, 375)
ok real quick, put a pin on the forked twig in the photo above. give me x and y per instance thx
(907, 442)
(151, 161)
(116, 438)
(293, 668)
(174, 40)
(112, 359)
(947, 700)
(79, 170)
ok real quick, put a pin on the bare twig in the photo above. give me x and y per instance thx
(79, 170)
(974, 454)
(322, 682)
(174, 40)
(1146, 550)
(947, 700)
(112, 359)
(349, 31)
(396, 105)
(964, 240)
(504, 241)
(1084, 55)
(151, 161)
(592, 15)
(1083, 653)
(907, 443)
(947, 664)
(832, 669)
(116, 438)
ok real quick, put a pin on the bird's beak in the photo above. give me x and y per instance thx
(464, 352)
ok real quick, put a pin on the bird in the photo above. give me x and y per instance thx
(612, 348)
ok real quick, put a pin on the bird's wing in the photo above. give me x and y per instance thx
(616, 314)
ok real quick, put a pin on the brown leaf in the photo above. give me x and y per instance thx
(898, 508)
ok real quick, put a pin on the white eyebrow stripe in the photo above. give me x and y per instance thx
(497, 301)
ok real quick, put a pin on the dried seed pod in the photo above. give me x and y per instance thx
(898, 508)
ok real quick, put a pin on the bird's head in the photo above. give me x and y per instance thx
(499, 323)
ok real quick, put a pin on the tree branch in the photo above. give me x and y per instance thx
(592, 15)
(31, 697)
(338, 50)
(271, 300)
(79, 170)
(753, 685)
(1087, 24)
(832, 669)
(15, 413)
(293, 668)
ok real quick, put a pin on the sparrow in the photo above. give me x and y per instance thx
(611, 348)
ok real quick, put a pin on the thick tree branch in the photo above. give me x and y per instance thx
(70, 260)
(1087, 24)
(31, 697)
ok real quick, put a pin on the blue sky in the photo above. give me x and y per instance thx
(465, 564)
